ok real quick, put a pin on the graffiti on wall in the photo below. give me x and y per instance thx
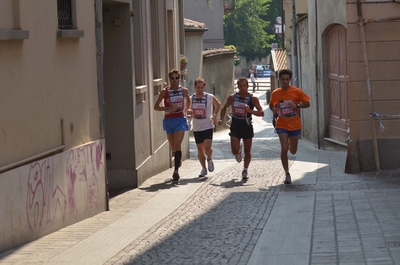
(72, 190)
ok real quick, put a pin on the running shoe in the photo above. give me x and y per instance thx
(288, 179)
(203, 173)
(210, 165)
(244, 175)
(238, 156)
(175, 176)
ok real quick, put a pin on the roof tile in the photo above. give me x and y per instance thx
(278, 59)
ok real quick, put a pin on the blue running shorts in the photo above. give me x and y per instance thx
(289, 133)
(172, 125)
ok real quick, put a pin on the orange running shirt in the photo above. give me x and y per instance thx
(288, 118)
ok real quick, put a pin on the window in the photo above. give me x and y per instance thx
(64, 14)
(10, 24)
(67, 22)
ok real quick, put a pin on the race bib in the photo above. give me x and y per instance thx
(199, 110)
(285, 110)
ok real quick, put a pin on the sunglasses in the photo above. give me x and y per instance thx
(174, 77)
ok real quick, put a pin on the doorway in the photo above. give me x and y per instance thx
(337, 73)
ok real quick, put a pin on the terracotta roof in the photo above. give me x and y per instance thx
(188, 23)
(278, 59)
(209, 52)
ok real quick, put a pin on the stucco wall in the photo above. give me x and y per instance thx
(138, 55)
(194, 50)
(313, 77)
(218, 72)
(383, 56)
(49, 194)
(307, 83)
(383, 97)
(48, 100)
(326, 20)
(45, 79)
(211, 15)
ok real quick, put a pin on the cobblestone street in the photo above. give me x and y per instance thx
(219, 224)
(324, 217)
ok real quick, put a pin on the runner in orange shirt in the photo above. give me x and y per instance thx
(287, 101)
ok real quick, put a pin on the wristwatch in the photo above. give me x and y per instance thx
(298, 105)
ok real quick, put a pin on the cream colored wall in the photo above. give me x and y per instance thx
(287, 9)
(44, 80)
(212, 15)
(384, 58)
(218, 72)
(194, 50)
(6, 19)
(301, 8)
(374, 145)
(52, 193)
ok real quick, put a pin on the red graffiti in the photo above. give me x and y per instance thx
(54, 197)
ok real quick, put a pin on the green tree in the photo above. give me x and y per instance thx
(249, 28)
(275, 10)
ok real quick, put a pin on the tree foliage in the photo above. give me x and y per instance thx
(275, 10)
(250, 27)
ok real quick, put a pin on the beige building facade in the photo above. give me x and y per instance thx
(373, 56)
(142, 42)
(346, 55)
(76, 106)
(211, 13)
(52, 155)
(194, 32)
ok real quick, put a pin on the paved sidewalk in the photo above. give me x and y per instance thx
(324, 217)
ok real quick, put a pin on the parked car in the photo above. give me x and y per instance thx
(259, 70)
(267, 72)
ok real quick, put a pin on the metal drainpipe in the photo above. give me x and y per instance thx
(316, 74)
(283, 25)
(294, 45)
(98, 6)
(366, 68)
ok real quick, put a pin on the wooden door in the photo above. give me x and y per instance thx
(337, 70)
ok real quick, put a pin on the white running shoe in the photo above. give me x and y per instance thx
(288, 179)
(210, 165)
(238, 156)
(203, 173)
